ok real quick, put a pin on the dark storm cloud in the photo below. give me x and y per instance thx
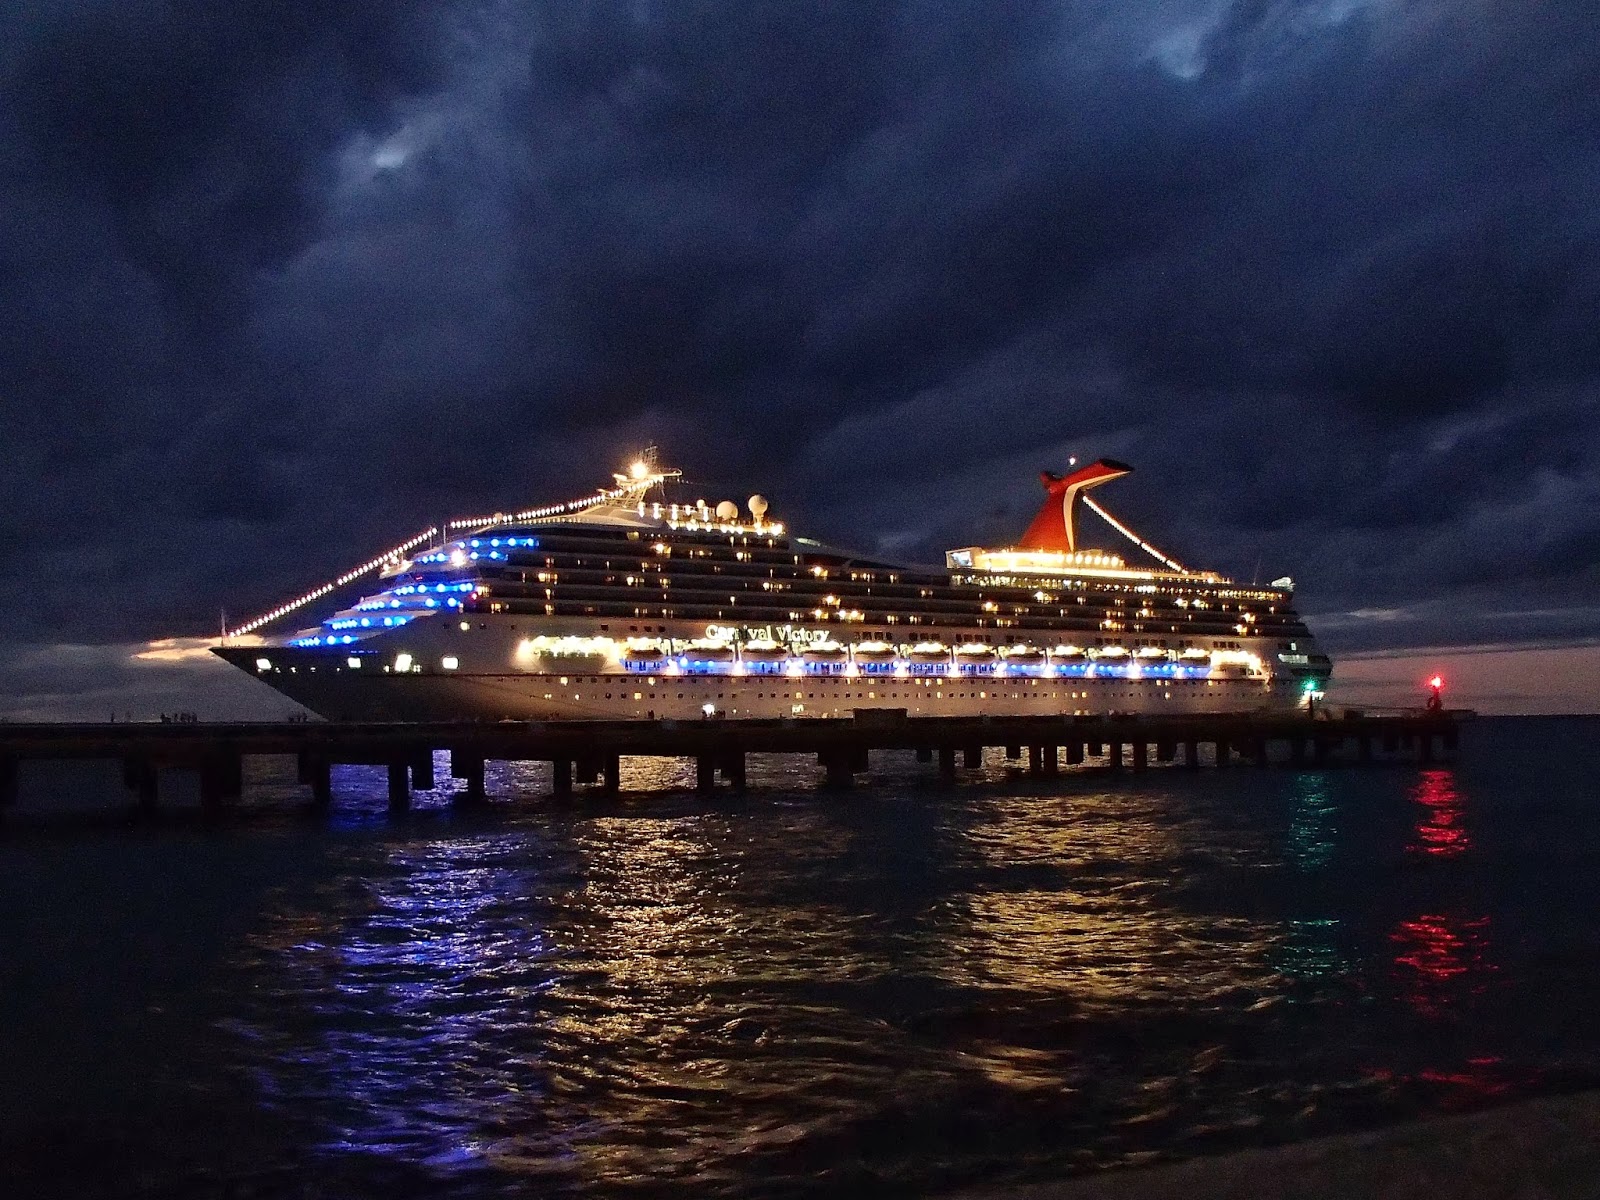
(285, 282)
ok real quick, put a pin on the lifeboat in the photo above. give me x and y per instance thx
(1024, 656)
(1109, 660)
(1069, 656)
(874, 652)
(826, 652)
(762, 656)
(643, 654)
(975, 658)
(706, 655)
(826, 658)
(1194, 659)
(1149, 654)
(874, 658)
(764, 651)
(927, 652)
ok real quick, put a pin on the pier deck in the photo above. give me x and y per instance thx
(588, 752)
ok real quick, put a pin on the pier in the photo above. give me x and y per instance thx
(588, 753)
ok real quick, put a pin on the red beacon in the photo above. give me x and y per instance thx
(1436, 694)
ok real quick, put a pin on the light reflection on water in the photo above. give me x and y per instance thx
(1441, 831)
(909, 987)
(628, 996)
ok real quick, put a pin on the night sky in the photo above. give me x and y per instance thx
(284, 282)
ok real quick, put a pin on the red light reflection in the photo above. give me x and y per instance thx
(1441, 961)
(1440, 829)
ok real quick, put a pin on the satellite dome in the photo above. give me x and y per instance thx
(758, 506)
(727, 510)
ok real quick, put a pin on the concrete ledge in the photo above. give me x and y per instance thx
(1545, 1149)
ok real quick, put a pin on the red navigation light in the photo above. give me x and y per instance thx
(1436, 683)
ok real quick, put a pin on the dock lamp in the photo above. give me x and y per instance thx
(1436, 693)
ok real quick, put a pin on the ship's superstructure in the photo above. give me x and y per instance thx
(630, 605)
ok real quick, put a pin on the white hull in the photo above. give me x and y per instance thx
(340, 695)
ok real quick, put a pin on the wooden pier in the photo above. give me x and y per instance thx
(589, 752)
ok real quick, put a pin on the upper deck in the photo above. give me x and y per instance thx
(625, 555)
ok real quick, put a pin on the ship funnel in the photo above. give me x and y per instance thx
(1055, 528)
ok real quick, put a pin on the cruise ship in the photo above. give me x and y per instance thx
(629, 604)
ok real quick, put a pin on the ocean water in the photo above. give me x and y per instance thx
(905, 987)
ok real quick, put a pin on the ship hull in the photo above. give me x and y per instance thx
(343, 695)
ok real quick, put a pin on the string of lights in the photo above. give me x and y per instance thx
(1134, 537)
(349, 576)
(638, 484)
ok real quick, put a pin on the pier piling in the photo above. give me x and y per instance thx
(839, 767)
(221, 779)
(591, 751)
(139, 775)
(399, 788)
(422, 772)
(705, 774)
(320, 777)
(470, 768)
